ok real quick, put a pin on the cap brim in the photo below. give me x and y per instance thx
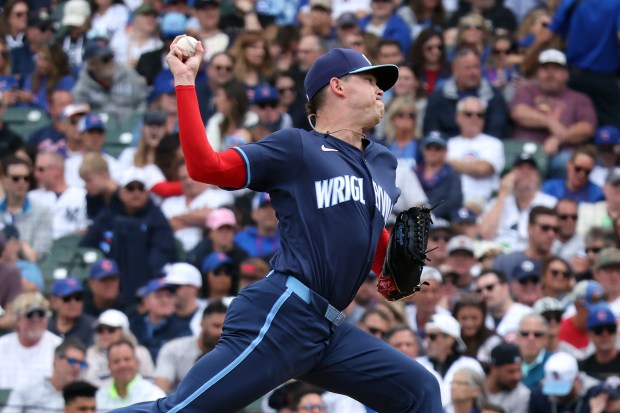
(386, 75)
(557, 388)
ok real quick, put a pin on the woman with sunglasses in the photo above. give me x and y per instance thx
(110, 327)
(428, 60)
(472, 33)
(501, 69)
(400, 129)
(557, 278)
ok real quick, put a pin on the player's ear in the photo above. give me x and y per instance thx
(335, 84)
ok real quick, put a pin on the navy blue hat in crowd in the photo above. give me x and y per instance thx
(265, 93)
(158, 284)
(66, 287)
(462, 215)
(341, 62)
(104, 268)
(505, 353)
(436, 138)
(526, 269)
(214, 260)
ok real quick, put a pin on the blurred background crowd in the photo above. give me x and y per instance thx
(116, 268)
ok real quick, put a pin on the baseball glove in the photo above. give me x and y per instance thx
(406, 254)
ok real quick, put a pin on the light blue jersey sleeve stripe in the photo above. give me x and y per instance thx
(240, 358)
(247, 165)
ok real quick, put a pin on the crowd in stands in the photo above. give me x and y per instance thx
(505, 119)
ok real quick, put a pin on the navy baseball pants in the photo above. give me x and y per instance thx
(276, 330)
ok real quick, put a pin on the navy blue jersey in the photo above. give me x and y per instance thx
(332, 201)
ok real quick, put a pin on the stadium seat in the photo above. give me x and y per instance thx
(24, 121)
(67, 258)
(4, 397)
(119, 133)
(513, 148)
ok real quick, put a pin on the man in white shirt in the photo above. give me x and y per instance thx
(478, 157)
(503, 382)
(127, 386)
(27, 355)
(188, 282)
(68, 203)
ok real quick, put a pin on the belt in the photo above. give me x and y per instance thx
(331, 314)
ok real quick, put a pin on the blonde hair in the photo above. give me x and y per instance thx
(244, 40)
(93, 163)
(476, 19)
(26, 302)
(397, 104)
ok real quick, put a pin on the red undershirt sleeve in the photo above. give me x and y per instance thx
(384, 238)
(166, 189)
(226, 169)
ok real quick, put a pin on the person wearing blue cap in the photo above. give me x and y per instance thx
(220, 279)
(104, 280)
(333, 190)
(602, 332)
(265, 103)
(69, 319)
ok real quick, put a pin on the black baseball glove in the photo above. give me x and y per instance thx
(406, 254)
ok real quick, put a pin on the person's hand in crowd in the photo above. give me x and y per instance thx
(597, 403)
(244, 6)
(551, 146)
(24, 96)
(507, 184)
(9, 98)
(184, 68)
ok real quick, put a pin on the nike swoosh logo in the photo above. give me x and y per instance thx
(325, 149)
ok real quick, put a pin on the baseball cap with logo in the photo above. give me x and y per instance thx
(261, 199)
(463, 215)
(340, 62)
(75, 13)
(611, 386)
(505, 353)
(436, 138)
(66, 287)
(347, 19)
(214, 260)
(524, 158)
(90, 122)
(447, 325)
(527, 268)
(104, 268)
(182, 273)
(265, 93)
(560, 373)
(607, 135)
(113, 318)
(600, 315)
(158, 284)
(608, 257)
(588, 292)
(221, 217)
(75, 109)
(552, 56)
(461, 243)
(547, 305)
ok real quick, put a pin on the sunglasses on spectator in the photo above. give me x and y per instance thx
(593, 250)
(310, 407)
(269, 104)
(501, 51)
(135, 187)
(565, 217)
(581, 169)
(488, 288)
(433, 336)
(468, 114)
(106, 329)
(553, 316)
(610, 328)
(35, 313)
(547, 228)
(557, 273)
(375, 331)
(77, 297)
(437, 238)
(17, 178)
(537, 334)
(282, 90)
(221, 271)
(529, 280)
(472, 27)
(430, 47)
(410, 115)
(75, 362)
(223, 68)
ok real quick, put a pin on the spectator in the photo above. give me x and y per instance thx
(503, 314)
(441, 183)
(405, 340)
(253, 65)
(542, 227)
(438, 237)
(603, 213)
(100, 187)
(472, 31)
(69, 319)
(14, 23)
(567, 242)
(104, 288)
(159, 325)
(525, 285)
(445, 353)
(319, 22)
(217, 271)
(68, 203)
(466, 79)
(573, 331)
(607, 144)
(109, 17)
(11, 282)
(557, 277)
(127, 386)
(605, 397)
(602, 332)
(72, 35)
(187, 213)
(52, 137)
(347, 24)
(252, 270)
(389, 52)
(428, 60)
(45, 393)
(263, 239)
(33, 220)
(129, 43)
(461, 258)
(532, 342)
(79, 397)
(467, 391)
(270, 119)
(178, 356)
(501, 19)
(503, 381)
(400, 130)
(308, 401)
(375, 323)
(564, 387)
(464, 223)
(26, 355)
(134, 232)
(152, 132)
(421, 15)
(606, 272)
(31, 276)
(385, 23)
(212, 38)
(110, 327)
(245, 16)
(552, 310)
(478, 157)
(502, 69)
(470, 312)
(108, 86)
(426, 302)
(365, 299)
(70, 117)
(411, 190)
(219, 70)
(188, 282)
(505, 218)
(576, 186)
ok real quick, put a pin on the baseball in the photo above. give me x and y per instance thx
(187, 44)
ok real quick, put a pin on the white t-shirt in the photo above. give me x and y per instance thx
(177, 205)
(510, 322)
(126, 50)
(482, 147)
(22, 366)
(69, 209)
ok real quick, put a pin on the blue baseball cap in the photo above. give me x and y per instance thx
(164, 84)
(260, 199)
(589, 293)
(104, 268)
(463, 215)
(172, 25)
(341, 62)
(527, 268)
(90, 122)
(66, 287)
(436, 138)
(265, 93)
(561, 370)
(607, 135)
(157, 284)
(214, 260)
(600, 315)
